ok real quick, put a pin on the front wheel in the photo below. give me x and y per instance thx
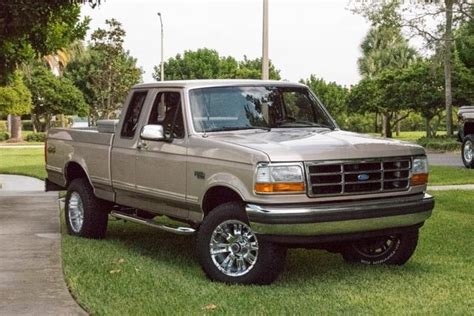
(230, 252)
(392, 249)
(468, 151)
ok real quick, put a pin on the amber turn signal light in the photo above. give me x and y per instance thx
(279, 187)
(419, 179)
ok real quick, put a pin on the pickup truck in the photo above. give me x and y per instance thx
(466, 134)
(251, 168)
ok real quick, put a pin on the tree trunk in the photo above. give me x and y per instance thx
(384, 125)
(399, 123)
(427, 127)
(388, 126)
(33, 125)
(448, 65)
(16, 129)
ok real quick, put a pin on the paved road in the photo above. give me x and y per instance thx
(445, 159)
(31, 277)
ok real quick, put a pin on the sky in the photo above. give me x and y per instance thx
(319, 37)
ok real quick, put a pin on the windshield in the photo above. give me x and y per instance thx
(259, 107)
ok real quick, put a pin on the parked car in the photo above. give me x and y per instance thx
(251, 167)
(466, 134)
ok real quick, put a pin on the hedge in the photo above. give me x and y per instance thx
(441, 143)
(36, 137)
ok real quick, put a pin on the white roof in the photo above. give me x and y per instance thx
(215, 83)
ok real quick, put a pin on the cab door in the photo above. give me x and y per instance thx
(124, 149)
(160, 167)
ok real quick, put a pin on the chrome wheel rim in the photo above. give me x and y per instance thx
(375, 247)
(75, 212)
(467, 151)
(233, 248)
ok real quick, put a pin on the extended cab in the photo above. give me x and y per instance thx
(466, 134)
(251, 167)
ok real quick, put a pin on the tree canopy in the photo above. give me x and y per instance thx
(206, 63)
(30, 29)
(106, 72)
(15, 98)
(53, 95)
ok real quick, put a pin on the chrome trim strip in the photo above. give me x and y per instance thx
(341, 227)
(55, 169)
(328, 218)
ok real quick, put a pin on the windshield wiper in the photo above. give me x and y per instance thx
(295, 123)
(237, 128)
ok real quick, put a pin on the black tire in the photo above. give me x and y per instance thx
(270, 258)
(94, 214)
(468, 144)
(394, 249)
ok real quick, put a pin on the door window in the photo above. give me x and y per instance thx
(167, 111)
(132, 116)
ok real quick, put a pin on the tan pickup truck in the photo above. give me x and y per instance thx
(251, 167)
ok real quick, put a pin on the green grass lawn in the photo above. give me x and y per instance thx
(442, 175)
(23, 161)
(138, 271)
(412, 136)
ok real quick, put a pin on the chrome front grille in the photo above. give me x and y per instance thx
(352, 177)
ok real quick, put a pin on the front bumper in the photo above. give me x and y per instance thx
(339, 218)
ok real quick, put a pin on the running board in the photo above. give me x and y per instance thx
(151, 223)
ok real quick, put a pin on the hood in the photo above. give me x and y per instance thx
(318, 144)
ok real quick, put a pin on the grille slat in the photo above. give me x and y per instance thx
(358, 177)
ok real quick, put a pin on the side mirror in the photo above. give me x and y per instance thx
(152, 132)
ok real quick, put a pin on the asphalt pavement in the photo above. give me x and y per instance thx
(452, 159)
(31, 276)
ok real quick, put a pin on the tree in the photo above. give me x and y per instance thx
(434, 22)
(333, 96)
(206, 63)
(384, 47)
(106, 72)
(15, 99)
(52, 96)
(31, 29)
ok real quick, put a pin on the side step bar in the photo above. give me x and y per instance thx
(151, 223)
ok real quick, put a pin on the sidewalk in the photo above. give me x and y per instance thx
(31, 276)
(451, 187)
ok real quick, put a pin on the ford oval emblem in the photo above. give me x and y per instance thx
(363, 177)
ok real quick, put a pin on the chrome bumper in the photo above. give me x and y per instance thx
(339, 218)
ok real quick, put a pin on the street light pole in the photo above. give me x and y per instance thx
(265, 74)
(162, 65)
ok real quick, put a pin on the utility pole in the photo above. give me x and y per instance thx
(265, 74)
(162, 64)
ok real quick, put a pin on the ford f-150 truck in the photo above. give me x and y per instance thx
(466, 134)
(251, 168)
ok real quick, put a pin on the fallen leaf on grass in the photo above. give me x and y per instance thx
(121, 261)
(114, 271)
(210, 307)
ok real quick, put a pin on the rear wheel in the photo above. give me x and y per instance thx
(467, 151)
(392, 249)
(86, 215)
(229, 251)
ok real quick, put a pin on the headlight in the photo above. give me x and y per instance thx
(419, 171)
(279, 178)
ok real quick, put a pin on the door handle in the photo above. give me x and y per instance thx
(142, 145)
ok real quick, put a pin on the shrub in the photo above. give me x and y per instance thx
(442, 143)
(4, 136)
(36, 137)
(27, 125)
(3, 126)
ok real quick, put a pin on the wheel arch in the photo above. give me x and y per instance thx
(217, 195)
(74, 170)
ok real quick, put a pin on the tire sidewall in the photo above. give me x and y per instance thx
(267, 252)
(468, 138)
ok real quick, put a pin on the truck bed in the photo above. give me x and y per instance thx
(89, 148)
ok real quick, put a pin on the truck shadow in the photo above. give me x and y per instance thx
(301, 265)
